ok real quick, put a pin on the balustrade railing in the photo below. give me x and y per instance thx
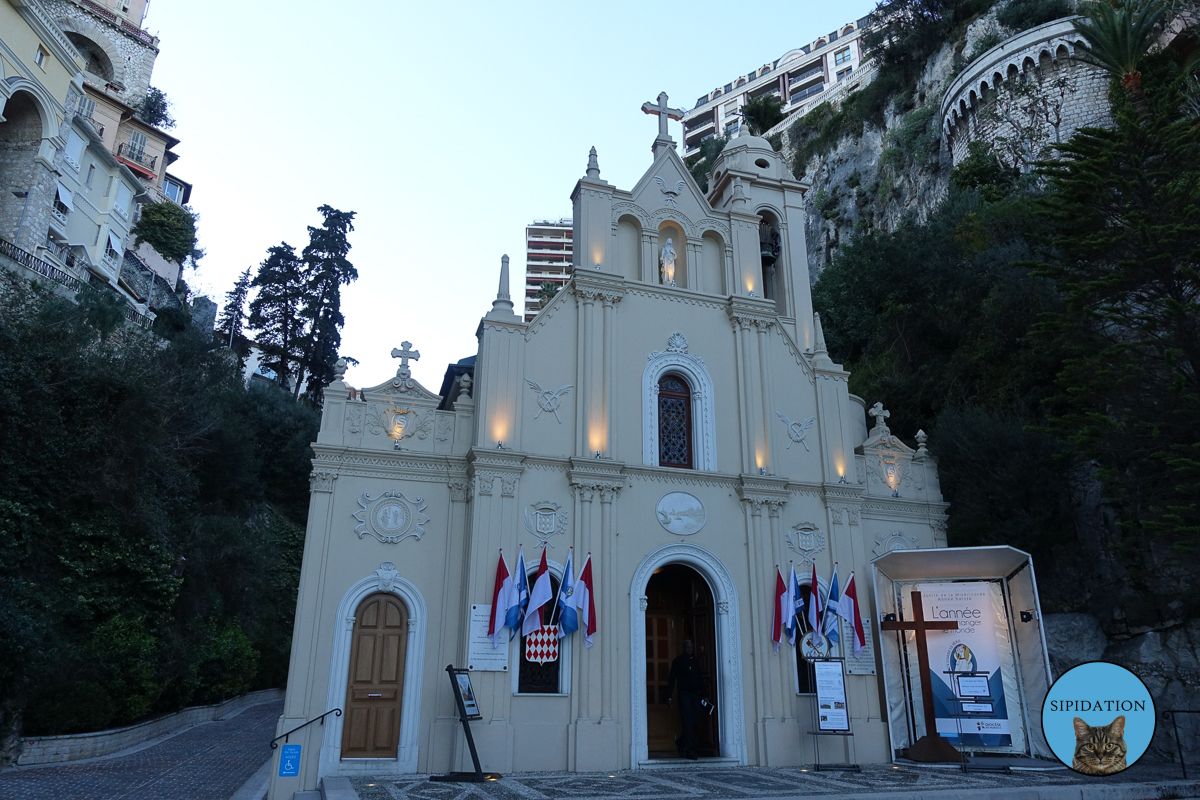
(130, 153)
(32, 262)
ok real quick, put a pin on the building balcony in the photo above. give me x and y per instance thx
(139, 158)
(702, 125)
(806, 75)
(58, 216)
(807, 93)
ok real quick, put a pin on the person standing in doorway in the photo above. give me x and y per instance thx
(685, 672)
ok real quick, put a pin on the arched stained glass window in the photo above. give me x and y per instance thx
(674, 422)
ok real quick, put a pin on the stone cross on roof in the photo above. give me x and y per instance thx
(664, 113)
(880, 414)
(404, 354)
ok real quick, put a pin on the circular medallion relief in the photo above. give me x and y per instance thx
(391, 516)
(681, 513)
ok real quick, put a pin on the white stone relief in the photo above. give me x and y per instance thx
(545, 519)
(797, 431)
(508, 485)
(549, 400)
(892, 541)
(806, 540)
(672, 194)
(355, 416)
(398, 423)
(681, 513)
(391, 517)
(444, 427)
(387, 574)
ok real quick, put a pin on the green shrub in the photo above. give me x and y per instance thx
(988, 41)
(169, 229)
(1021, 15)
(225, 663)
(982, 170)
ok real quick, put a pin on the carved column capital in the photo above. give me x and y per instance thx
(320, 481)
(484, 482)
(460, 491)
(508, 485)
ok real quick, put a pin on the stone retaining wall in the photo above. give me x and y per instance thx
(57, 749)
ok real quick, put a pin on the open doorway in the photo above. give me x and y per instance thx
(679, 608)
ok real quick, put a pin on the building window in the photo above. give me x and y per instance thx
(841, 56)
(174, 191)
(90, 173)
(39, 58)
(674, 422)
(137, 145)
(121, 206)
(541, 678)
(732, 127)
(845, 73)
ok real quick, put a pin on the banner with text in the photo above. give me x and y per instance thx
(968, 687)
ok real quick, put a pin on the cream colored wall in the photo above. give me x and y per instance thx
(21, 43)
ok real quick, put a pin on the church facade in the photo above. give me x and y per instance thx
(674, 413)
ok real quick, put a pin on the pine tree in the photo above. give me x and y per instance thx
(327, 270)
(233, 315)
(274, 312)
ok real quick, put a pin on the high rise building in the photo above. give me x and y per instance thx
(547, 259)
(800, 78)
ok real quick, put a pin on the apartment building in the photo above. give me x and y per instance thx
(547, 259)
(800, 77)
(77, 160)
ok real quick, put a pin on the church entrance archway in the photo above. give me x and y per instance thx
(374, 690)
(679, 608)
(693, 589)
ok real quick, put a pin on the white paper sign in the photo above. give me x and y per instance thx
(858, 666)
(481, 656)
(831, 696)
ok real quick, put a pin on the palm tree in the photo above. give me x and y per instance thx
(546, 292)
(1118, 34)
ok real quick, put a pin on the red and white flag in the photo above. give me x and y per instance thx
(585, 601)
(781, 606)
(848, 610)
(539, 595)
(503, 596)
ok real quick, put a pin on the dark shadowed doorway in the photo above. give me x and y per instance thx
(680, 607)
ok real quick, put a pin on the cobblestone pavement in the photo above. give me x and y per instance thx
(207, 762)
(757, 782)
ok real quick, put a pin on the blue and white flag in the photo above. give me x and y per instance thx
(568, 617)
(793, 607)
(516, 612)
(829, 622)
(814, 610)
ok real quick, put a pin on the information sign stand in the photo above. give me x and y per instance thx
(973, 697)
(468, 709)
(831, 716)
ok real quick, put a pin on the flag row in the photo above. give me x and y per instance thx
(527, 609)
(793, 611)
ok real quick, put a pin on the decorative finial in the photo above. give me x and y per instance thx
(880, 414)
(739, 192)
(339, 369)
(502, 306)
(922, 438)
(464, 386)
(819, 334)
(502, 292)
(593, 167)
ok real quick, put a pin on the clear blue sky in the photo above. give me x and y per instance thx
(446, 126)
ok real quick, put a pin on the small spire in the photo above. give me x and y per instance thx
(502, 306)
(593, 167)
(922, 451)
(739, 192)
(819, 334)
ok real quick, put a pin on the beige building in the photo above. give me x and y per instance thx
(800, 78)
(676, 415)
(547, 259)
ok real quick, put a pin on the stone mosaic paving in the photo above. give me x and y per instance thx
(207, 762)
(742, 782)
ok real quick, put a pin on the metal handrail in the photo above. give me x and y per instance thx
(337, 712)
(1169, 714)
(30, 261)
(126, 151)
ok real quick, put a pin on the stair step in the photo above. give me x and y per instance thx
(337, 789)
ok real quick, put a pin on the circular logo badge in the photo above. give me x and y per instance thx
(1098, 718)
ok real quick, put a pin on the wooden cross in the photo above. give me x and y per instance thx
(663, 113)
(920, 626)
(405, 354)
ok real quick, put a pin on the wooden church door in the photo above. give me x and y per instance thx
(375, 686)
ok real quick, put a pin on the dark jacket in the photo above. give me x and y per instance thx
(685, 671)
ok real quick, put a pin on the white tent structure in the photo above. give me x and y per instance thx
(1015, 618)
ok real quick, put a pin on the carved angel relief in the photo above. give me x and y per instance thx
(391, 517)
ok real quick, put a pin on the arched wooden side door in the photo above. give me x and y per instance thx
(374, 690)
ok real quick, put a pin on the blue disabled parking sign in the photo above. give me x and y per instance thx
(289, 760)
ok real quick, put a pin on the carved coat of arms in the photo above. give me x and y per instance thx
(391, 517)
(806, 540)
(544, 520)
(398, 423)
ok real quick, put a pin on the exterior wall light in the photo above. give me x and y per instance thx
(762, 470)
(499, 444)
(843, 480)
(598, 454)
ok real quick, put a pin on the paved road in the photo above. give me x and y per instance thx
(207, 762)
(717, 783)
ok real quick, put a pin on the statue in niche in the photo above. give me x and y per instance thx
(666, 262)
